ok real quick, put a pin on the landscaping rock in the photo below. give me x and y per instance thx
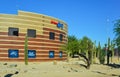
(5, 64)
(75, 70)
(16, 72)
(13, 65)
(25, 71)
(69, 71)
(8, 75)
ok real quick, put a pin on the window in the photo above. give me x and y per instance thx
(13, 53)
(31, 54)
(51, 54)
(31, 33)
(61, 37)
(52, 35)
(60, 54)
(13, 31)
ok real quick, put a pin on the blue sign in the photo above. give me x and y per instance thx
(13, 53)
(31, 54)
(51, 54)
(59, 25)
(60, 54)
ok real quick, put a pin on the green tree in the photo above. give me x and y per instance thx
(117, 35)
(84, 45)
(86, 48)
(71, 47)
(76, 47)
(26, 50)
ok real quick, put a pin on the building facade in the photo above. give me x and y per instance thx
(45, 37)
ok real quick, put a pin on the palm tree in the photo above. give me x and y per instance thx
(117, 35)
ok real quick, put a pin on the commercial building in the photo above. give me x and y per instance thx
(45, 35)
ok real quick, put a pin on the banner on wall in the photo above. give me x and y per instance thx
(31, 54)
(51, 54)
(13, 53)
(59, 25)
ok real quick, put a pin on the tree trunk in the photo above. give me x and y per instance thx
(87, 60)
(108, 55)
(112, 56)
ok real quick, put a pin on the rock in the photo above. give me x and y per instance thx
(75, 70)
(16, 72)
(63, 66)
(71, 68)
(33, 68)
(25, 71)
(13, 65)
(68, 70)
(8, 75)
(5, 64)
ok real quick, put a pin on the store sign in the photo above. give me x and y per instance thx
(31, 54)
(13, 53)
(59, 25)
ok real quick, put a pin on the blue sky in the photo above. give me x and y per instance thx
(92, 18)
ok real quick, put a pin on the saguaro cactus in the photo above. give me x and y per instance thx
(108, 51)
(26, 50)
(112, 49)
(94, 55)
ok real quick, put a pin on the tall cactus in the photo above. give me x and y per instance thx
(108, 51)
(94, 55)
(112, 49)
(26, 50)
(98, 50)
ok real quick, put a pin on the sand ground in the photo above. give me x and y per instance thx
(72, 68)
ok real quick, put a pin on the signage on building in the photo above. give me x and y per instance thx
(31, 54)
(58, 24)
(13, 54)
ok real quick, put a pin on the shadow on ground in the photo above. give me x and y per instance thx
(83, 65)
(113, 65)
(106, 73)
